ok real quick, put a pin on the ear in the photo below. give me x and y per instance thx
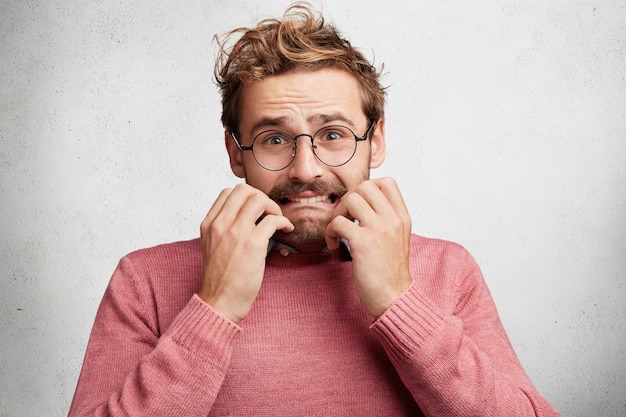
(377, 144)
(235, 155)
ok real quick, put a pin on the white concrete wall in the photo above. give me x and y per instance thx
(506, 129)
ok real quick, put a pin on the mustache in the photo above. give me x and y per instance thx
(281, 191)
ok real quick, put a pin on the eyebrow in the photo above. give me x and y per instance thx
(332, 117)
(268, 122)
(320, 118)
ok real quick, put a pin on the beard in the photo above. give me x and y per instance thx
(308, 230)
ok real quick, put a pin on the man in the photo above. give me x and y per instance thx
(307, 294)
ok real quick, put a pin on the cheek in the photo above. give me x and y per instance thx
(260, 178)
(358, 169)
(353, 174)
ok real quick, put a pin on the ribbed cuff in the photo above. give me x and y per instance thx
(408, 324)
(203, 331)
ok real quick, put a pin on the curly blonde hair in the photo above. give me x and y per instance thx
(302, 40)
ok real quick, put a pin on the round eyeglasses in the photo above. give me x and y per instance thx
(275, 150)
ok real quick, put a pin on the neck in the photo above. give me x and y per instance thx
(309, 248)
(302, 247)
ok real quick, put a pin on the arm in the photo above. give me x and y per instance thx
(453, 354)
(129, 369)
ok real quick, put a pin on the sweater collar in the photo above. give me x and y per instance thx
(280, 254)
(285, 249)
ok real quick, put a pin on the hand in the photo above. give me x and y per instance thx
(234, 247)
(379, 242)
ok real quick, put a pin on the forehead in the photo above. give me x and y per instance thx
(296, 98)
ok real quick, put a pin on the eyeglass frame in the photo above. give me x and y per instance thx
(357, 139)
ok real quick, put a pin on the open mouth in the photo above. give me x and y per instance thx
(324, 198)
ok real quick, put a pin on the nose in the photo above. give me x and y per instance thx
(305, 166)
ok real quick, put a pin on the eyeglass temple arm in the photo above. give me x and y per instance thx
(239, 145)
(367, 133)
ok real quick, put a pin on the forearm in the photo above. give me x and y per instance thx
(180, 373)
(451, 369)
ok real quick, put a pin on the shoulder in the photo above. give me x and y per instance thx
(445, 271)
(164, 261)
(155, 283)
(442, 262)
(427, 248)
(175, 252)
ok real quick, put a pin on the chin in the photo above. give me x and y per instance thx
(305, 233)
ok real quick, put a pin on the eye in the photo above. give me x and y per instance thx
(333, 133)
(273, 139)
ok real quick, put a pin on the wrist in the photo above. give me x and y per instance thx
(224, 307)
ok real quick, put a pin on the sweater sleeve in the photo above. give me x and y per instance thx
(454, 355)
(132, 370)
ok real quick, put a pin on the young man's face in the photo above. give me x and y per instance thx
(307, 190)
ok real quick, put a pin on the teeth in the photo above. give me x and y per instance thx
(311, 200)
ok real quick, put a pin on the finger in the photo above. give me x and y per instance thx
(215, 209)
(245, 205)
(390, 189)
(271, 219)
(366, 202)
(339, 228)
(371, 192)
(385, 198)
(271, 223)
(256, 206)
(353, 205)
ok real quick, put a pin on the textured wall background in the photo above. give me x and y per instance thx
(506, 131)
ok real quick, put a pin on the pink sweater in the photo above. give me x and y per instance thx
(306, 348)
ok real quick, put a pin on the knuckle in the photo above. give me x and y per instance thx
(216, 228)
(252, 245)
(240, 187)
(257, 197)
(352, 198)
(366, 185)
(205, 225)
